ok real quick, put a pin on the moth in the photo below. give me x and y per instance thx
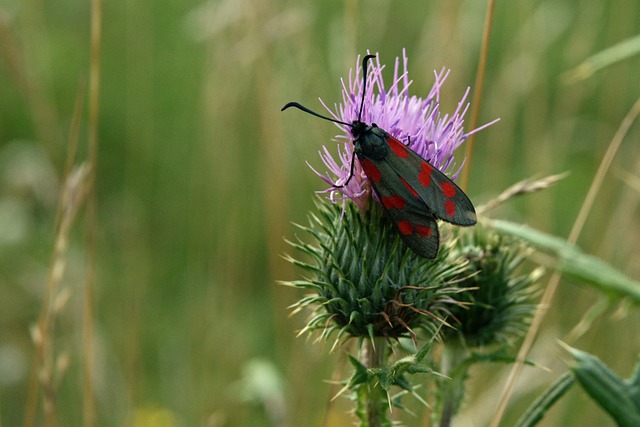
(413, 192)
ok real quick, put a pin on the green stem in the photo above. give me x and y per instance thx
(452, 389)
(372, 398)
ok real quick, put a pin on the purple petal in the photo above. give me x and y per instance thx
(433, 135)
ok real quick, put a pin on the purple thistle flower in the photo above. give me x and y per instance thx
(432, 135)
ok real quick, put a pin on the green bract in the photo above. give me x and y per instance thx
(498, 295)
(367, 283)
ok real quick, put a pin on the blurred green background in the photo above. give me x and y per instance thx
(200, 176)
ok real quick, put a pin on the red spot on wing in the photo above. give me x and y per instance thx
(424, 231)
(448, 189)
(450, 208)
(410, 188)
(371, 170)
(397, 202)
(405, 227)
(425, 174)
(397, 147)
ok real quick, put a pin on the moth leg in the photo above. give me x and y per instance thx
(353, 158)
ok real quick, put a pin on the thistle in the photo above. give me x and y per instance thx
(418, 122)
(497, 298)
(365, 282)
(495, 308)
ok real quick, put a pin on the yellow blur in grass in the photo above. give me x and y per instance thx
(153, 416)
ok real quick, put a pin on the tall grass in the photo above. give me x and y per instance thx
(199, 177)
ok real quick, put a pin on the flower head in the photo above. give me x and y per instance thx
(499, 295)
(366, 283)
(417, 122)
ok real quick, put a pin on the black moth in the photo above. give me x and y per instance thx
(412, 191)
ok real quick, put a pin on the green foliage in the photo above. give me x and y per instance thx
(574, 263)
(373, 385)
(497, 296)
(624, 50)
(366, 282)
(199, 177)
(620, 398)
(548, 398)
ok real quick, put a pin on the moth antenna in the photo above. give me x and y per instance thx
(365, 60)
(306, 110)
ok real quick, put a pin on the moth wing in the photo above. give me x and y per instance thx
(414, 220)
(442, 196)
